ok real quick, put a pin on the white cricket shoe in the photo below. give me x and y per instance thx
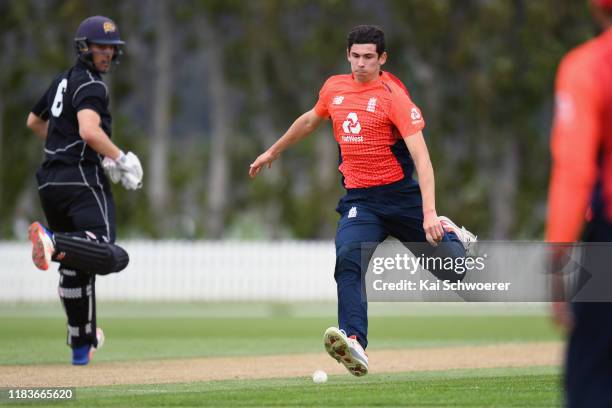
(346, 350)
(468, 239)
(42, 245)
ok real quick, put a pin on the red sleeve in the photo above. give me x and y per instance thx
(404, 114)
(320, 107)
(574, 145)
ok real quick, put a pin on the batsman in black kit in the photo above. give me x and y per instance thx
(73, 119)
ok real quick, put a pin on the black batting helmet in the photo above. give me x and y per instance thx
(97, 30)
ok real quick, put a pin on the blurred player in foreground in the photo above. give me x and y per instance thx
(73, 119)
(582, 178)
(581, 183)
(378, 129)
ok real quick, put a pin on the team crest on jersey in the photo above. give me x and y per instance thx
(109, 27)
(338, 100)
(415, 115)
(371, 105)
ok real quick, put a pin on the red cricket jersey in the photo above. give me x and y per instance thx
(581, 140)
(369, 121)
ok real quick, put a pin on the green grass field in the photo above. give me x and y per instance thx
(34, 334)
(535, 387)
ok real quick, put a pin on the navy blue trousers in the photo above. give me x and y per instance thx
(588, 373)
(370, 215)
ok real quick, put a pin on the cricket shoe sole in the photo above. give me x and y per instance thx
(346, 350)
(42, 246)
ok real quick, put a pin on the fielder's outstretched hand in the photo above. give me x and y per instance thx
(266, 158)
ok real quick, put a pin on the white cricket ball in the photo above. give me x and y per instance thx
(319, 377)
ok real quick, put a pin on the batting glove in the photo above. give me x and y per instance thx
(131, 171)
(111, 169)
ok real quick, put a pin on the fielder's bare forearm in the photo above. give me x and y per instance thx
(427, 184)
(299, 129)
(422, 162)
(38, 126)
(302, 127)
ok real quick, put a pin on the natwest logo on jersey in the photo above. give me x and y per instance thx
(351, 127)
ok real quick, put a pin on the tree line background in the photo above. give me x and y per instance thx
(204, 86)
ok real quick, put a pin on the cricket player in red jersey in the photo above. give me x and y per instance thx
(379, 131)
(581, 184)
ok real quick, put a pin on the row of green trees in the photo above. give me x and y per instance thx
(205, 86)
